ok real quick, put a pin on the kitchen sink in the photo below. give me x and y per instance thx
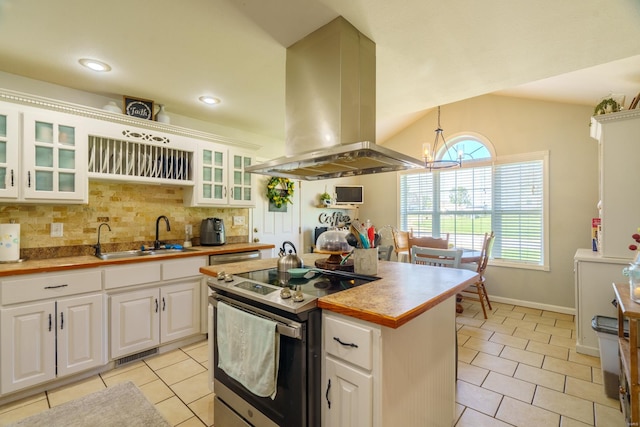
(140, 253)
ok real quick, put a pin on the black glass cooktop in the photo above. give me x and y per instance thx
(323, 282)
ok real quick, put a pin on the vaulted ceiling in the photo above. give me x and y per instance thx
(429, 52)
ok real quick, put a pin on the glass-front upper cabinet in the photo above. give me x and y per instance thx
(213, 182)
(54, 150)
(241, 181)
(9, 150)
(222, 180)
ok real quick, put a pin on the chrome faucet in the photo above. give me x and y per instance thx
(157, 242)
(97, 246)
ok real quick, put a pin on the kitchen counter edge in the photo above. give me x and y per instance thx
(403, 292)
(90, 261)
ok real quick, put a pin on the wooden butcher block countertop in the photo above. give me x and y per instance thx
(89, 261)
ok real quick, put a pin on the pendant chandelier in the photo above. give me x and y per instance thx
(430, 152)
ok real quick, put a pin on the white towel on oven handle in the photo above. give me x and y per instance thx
(248, 349)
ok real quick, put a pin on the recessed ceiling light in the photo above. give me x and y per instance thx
(95, 65)
(210, 100)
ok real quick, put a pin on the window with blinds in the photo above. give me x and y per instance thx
(507, 197)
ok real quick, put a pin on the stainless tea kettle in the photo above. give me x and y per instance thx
(290, 260)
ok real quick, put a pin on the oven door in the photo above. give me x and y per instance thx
(296, 403)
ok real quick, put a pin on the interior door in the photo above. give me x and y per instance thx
(276, 227)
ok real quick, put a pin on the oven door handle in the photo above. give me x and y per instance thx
(284, 326)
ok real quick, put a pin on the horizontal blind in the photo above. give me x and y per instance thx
(416, 202)
(519, 211)
(465, 205)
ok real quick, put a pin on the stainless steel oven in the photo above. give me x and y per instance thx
(298, 397)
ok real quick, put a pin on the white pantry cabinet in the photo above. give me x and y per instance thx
(44, 338)
(594, 277)
(618, 148)
(221, 179)
(44, 156)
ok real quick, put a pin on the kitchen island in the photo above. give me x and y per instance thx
(401, 370)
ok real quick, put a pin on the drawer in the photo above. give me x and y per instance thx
(132, 274)
(183, 267)
(46, 285)
(356, 341)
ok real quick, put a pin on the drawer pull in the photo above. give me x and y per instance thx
(326, 395)
(56, 286)
(346, 344)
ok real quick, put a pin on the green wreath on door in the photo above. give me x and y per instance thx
(280, 191)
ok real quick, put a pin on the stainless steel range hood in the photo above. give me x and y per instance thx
(330, 109)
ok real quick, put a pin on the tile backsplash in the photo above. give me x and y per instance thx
(130, 210)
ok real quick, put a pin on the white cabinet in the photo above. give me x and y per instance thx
(350, 394)
(616, 134)
(348, 372)
(368, 368)
(9, 149)
(221, 178)
(68, 331)
(132, 154)
(594, 276)
(163, 305)
(146, 318)
(50, 163)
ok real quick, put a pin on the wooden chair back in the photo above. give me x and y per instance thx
(485, 253)
(429, 242)
(436, 257)
(400, 241)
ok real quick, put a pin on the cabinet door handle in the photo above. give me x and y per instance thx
(12, 184)
(29, 179)
(156, 305)
(346, 344)
(163, 304)
(61, 321)
(56, 286)
(49, 322)
(326, 395)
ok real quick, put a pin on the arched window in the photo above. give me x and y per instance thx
(476, 148)
(507, 195)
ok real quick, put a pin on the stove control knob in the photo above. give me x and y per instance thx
(285, 293)
(298, 296)
(221, 275)
(228, 278)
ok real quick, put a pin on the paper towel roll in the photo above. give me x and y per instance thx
(9, 242)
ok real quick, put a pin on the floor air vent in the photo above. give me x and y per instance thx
(137, 356)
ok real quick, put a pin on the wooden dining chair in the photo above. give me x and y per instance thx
(401, 244)
(436, 257)
(429, 242)
(479, 288)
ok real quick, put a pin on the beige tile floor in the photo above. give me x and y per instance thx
(520, 368)
(517, 368)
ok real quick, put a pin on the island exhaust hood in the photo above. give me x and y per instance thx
(330, 109)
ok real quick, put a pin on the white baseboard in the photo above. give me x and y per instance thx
(530, 304)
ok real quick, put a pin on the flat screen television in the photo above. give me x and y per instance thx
(349, 194)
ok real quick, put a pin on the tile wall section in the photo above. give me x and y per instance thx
(131, 211)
